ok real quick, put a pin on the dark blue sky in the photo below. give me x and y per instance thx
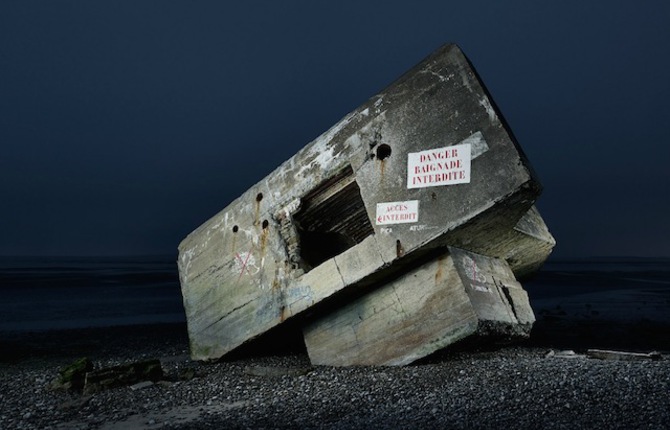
(125, 125)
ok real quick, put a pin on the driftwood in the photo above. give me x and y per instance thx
(73, 376)
(123, 375)
(425, 165)
(604, 354)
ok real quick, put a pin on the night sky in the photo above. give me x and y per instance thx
(125, 125)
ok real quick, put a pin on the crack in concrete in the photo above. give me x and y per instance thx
(228, 314)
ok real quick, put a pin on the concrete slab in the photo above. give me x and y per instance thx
(457, 295)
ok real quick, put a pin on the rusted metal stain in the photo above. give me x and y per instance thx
(438, 272)
(264, 236)
(382, 166)
(234, 241)
(257, 211)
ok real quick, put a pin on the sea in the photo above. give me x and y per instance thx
(617, 289)
(51, 293)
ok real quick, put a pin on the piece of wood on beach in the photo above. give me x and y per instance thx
(73, 376)
(425, 164)
(604, 354)
(123, 375)
(454, 296)
(566, 353)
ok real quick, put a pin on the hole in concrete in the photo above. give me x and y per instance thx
(259, 197)
(265, 224)
(383, 151)
(235, 229)
(331, 220)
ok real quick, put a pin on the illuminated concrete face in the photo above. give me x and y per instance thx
(456, 295)
(428, 163)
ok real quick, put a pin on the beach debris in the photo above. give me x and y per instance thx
(415, 211)
(73, 376)
(122, 375)
(567, 353)
(604, 354)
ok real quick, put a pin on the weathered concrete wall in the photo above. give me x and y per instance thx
(445, 300)
(254, 264)
(525, 247)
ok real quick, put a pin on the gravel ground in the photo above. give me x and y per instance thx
(510, 387)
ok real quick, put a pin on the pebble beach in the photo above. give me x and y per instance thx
(526, 386)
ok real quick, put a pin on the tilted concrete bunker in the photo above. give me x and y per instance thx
(422, 190)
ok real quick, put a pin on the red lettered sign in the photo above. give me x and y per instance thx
(397, 212)
(442, 166)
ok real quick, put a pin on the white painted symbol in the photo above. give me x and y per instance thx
(245, 262)
(423, 227)
(473, 272)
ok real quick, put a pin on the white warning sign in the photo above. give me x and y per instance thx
(435, 167)
(397, 212)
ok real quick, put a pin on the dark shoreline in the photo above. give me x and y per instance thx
(16, 346)
(552, 330)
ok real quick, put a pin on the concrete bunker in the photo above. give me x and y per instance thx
(448, 239)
